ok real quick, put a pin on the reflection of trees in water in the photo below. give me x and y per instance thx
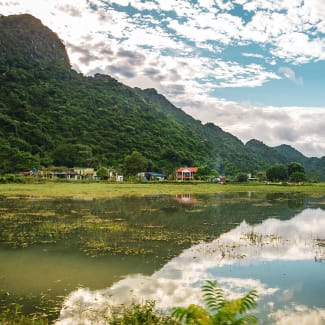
(295, 201)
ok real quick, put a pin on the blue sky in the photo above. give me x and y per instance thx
(253, 67)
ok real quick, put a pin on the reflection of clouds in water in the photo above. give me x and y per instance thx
(84, 307)
(301, 315)
(293, 239)
(178, 282)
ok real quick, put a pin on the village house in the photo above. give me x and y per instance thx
(186, 173)
(150, 176)
(113, 175)
(69, 174)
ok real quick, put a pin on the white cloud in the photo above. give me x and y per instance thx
(285, 25)
(300, 127)
(298, 48)
(253, 55)
(290, 74)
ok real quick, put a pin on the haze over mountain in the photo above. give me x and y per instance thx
(50, 114)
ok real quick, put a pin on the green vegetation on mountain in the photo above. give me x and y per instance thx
(285, 155)
(52, 115)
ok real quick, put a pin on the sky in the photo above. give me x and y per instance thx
(256, 68)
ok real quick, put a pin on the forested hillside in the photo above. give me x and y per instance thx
(52, 115)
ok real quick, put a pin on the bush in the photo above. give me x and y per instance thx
(13, 178)
(219, 310)
(241, 178)
(144, 314)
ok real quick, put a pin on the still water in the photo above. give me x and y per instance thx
(73, 258)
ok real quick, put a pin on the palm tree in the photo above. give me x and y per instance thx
(219, 309)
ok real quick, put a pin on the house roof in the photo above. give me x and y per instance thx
(187, 169)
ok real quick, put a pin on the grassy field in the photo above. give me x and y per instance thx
(106, 190)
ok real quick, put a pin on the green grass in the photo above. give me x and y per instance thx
(106, 190)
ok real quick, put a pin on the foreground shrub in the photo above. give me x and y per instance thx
(144, 314)
(219, 310)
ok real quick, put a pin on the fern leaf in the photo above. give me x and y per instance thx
(213, 296)
(179, 313)
(193, 314)
(247, 320)
(249, 301)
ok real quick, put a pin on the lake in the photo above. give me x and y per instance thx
(73, 258)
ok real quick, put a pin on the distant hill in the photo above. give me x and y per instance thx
(291, 154)
(52, 115)
(285, 154)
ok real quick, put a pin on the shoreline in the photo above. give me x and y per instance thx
(108, 190)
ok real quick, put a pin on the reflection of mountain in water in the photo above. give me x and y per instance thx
(177, 283)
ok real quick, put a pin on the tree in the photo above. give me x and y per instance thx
(13, 160)
(241, 177)
(296, 172)
(276, 173)
(228, 167)
(219, 309)
(297, 177)
(102, 173)
(135, 163)
(71, 155)
(295, 167)
(261, 175)
(205, 172)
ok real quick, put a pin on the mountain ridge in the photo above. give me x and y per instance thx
(50, 114)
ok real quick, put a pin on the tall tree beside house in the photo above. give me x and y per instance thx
(102, 173)
(71, 155)
(135, 163)
(241, 177)
(205, 173)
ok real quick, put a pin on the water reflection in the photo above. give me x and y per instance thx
(298, 314)
(187, 198)
(275, 257)
(56, 246)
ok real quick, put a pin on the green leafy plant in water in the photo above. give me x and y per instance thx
(219, 310)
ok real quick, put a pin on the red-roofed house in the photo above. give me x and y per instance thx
(185, 173)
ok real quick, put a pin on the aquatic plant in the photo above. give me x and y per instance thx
(12, 315)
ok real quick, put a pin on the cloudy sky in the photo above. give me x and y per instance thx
(256, 68)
